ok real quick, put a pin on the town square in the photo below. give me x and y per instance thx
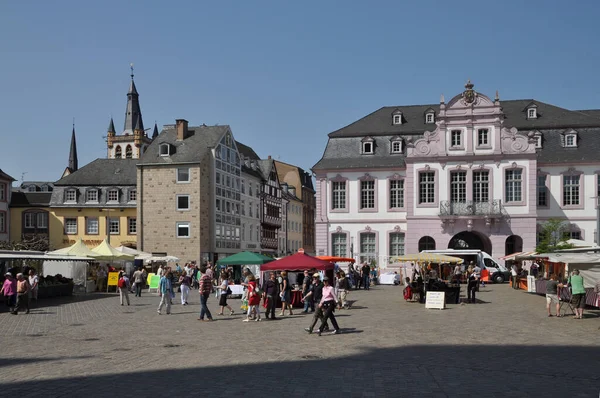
(367, 199)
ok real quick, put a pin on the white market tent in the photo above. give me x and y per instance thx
(139, 255)
(588, 264)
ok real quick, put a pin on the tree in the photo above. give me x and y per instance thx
(551, 237)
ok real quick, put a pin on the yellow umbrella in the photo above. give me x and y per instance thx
(104, 251)
(429, 258)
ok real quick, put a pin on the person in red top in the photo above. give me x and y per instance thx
(253, 299)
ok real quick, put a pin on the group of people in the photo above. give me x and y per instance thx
(18, 291)
(361, 277)
(578, 293)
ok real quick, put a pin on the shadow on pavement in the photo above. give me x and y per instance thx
(4, 362)
(418, 370)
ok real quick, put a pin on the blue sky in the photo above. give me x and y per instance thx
(282, 74)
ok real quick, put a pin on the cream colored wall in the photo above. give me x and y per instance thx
(291, 218)
(58, 238)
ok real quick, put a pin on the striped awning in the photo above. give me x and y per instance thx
(514, 256)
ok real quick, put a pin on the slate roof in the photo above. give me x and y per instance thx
(103, 172)
(246, 151)
(5, 176)
(413, 119)
(289, 196)
(343, 147)
(193, 149)
(30, 199)
(265, 166)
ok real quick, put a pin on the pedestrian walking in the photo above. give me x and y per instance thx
(225, 291)
(316, 294)
(123, 285)
(306, 288)
(575, 281)
(514, 271)
(254, 296)
(285, 294)
(34, 282)
(185, 282)
(271, 292)
(165, 289)
(472, 286)
(101, 278)
(327, 305)
(552, 295)
(343, 287)
(457, 273)
(365, 274)
(139, 280)
(9, 290)
(206, 288)
(22, 294)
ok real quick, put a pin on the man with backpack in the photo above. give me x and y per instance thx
(123, 285)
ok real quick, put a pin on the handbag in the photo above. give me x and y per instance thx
(228, 292)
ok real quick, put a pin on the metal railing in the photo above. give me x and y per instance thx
(472, 208)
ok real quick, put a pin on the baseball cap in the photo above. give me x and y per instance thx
(316, 275)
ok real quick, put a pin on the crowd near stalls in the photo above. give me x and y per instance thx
(553, 275)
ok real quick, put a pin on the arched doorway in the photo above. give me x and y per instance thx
(426, 243)
(513, 244)
(470, 240)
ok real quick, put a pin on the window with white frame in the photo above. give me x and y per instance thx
(183, 229)
(3, 192)
(164, 149)
(427, 187)
(132, 226)
(367, 194)
(91, 226)
(542, 191)
(481, 186)
(531, 113)
(483, 137)
(570, 140)
(70, 196)
(113, 195)
(538, 141)
(132, 195)
(31, 188)
(398, 118)
(367, 246)
(114, 226)
(183, 174)
(29, 220)
(338, 195)
(571, 190)
(3, 221)
(458, 187)
(396, 244)
(183, 202)
(338, 244)
(70, 226)
(396, 194)
(91, 195)
(367, 147)
(429, 118)
(42, 220)
(456, 138)
(513, 185)
(397, 146)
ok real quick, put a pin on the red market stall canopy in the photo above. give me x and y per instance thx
(333, 259)
(297, 262)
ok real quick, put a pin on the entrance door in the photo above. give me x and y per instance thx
(470, 240)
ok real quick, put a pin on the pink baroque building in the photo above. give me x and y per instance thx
(475, 173)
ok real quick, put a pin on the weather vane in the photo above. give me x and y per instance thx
(131, 66)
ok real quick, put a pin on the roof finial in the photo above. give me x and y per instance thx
(131, 67)
(497, 96)
(442, 99)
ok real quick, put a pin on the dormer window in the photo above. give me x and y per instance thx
(429, 118)
(113, 195)
(164, 149)
(396, 146)
(398, 119)
(531, 113)
(570, 141)
(70, 196)
(91, 195)
(538, 140)
(367, 147)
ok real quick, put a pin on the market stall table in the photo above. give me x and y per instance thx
(389, 279)
(236, 290)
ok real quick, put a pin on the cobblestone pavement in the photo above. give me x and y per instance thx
(503, 346)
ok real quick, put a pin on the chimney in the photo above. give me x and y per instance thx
(182, 129)
(269, 157)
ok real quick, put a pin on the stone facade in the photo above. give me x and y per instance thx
(5, 197)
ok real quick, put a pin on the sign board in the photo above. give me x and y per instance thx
(154, 282)
(113, 279)
(149, 278)
(435, 300)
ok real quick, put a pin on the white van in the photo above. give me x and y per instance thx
(498, 273)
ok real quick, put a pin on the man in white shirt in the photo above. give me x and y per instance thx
(514, 272)
(33, 283)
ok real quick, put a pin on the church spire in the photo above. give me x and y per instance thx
(111, 126)
(133, 112)
(73, 152)
(155, 132)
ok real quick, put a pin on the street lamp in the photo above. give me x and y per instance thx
(108, 224)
